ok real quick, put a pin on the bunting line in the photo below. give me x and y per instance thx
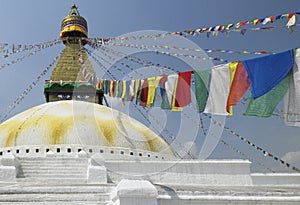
(246, 156)
(28, 89)
(18, 48)
(197, 49)
(215, 30)
(241, 77)
(149, 64)
(238, 52)
(170, 135)
(29, 54)
(148, 48)
(251, 144)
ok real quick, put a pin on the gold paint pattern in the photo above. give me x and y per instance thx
(78, 122)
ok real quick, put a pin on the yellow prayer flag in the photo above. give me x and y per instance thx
(232, 68)
(255, 21)
(124, 89)
(152, 85)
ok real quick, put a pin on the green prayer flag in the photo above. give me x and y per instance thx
(164, 101)
(201, 78)
(266, 104)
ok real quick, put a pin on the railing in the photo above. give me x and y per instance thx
(75, 150)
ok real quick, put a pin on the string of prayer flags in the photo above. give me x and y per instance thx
(8, 49)
(214, 30)
(267, 71)
(292, 99)
(39, 48)
(149, 48)
(263, 151)
(141, 46)
(245, 155)
(216, 89)
(88, 76)
(254, 22)
(28, 89)
(237, 52)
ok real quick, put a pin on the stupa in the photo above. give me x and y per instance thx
(74, 150)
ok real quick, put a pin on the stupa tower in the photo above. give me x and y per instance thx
(67, 80)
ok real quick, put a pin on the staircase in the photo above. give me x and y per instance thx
(70, 170)
(54, 180)
(25, 193)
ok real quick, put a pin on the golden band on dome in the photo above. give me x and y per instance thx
(73, 27)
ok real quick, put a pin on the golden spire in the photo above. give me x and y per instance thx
(68, 80)
(73, 25)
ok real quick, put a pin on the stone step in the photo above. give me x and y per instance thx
(58, 203)
(48, 171)
(56, 175)
(53, 160)
(73, 167)
(41, 188)
(57, 197)
(52, 163)
(54, 180)
(55, 203)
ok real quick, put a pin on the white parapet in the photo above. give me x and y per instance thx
(193, 172)
(134, 192)
(276, 179)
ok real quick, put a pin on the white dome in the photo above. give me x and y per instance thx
(77, 122)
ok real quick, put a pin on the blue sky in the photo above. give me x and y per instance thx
(35, 21)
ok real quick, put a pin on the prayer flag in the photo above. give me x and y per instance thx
(239, 85)
(164, 100)
(144, 93)
(266, 72)
(292, 98)
(218, 90)
(201, 87)
(265, 105)
(183, 89)
(152, 85)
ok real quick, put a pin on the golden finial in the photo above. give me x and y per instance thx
(73, 26)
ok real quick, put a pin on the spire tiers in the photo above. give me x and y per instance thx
(67, 81)
(73, 26)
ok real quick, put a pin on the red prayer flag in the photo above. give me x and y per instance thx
(239, 85)
(183, 90)
(291, 15)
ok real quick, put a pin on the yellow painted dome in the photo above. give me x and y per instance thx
(78, 122)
